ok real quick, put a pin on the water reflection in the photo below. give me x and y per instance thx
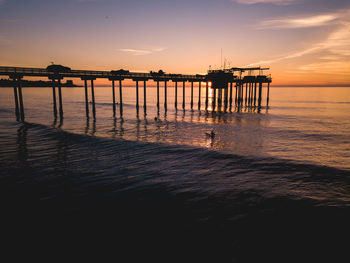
(22, 152)
(301, 121)
(174, 126)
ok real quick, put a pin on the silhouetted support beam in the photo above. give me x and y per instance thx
(16, 102)
(191, 95)
(246, 93)
(93, 98)
(199, 95)
(214, 99)
(236, 96)
(251, 93)
(86, 98)
(220, 94)
(175, 94)
(220, 97)
(243, 93)
(249, 88)
(226, 97)
(54, 103)
(158, 94)
(230, 94)
(183, 94)
(144, 95)
(239, 93)
(268, 94)
(137, 94)
(121, 96)
(165, 95)
(260, 93)
(255, 93)
(60, 97)
(113, 89)
(206, 94)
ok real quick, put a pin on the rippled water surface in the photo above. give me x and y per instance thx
(272, 185)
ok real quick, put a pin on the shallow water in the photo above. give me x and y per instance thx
(273, 185)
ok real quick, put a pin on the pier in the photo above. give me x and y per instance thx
(248, 83)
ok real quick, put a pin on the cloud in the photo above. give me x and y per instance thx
(5, 41)
(140, 52)
(136, 52)
(334, 50)
(251, 2)
(300, 22)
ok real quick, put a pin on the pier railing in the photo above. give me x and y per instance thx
(42, 72)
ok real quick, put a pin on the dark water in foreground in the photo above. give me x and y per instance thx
(272, 186)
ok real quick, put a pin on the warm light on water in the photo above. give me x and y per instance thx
(301, 124)
(270, 182)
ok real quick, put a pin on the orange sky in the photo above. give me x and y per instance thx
(302, 43)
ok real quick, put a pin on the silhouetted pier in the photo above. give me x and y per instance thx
(248, 88)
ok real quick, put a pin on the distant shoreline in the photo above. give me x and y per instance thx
(6, 83)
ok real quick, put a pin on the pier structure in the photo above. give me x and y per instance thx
(248, 88)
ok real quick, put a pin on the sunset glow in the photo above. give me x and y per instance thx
(304, 43)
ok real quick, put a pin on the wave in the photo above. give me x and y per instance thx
(189, 202)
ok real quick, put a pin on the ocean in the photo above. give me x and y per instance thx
(273, 185)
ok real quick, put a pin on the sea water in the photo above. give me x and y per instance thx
(272, 185)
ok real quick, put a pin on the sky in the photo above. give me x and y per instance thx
(304, 42)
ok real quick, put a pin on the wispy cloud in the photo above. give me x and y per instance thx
(4, 41)
(251, 2)
(334, 50)
(300, 22)
(140, 52)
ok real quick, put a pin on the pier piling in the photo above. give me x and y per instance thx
(191, 95)
(268, 94)
(144, 95)
(199, 95)
(93, 98)
(248, 93)
(16, 102)
(158, 95)
(206, 94)
(60, 97)
(175, 94)
(236, 95)
(113, 91)
(255, 93)
(54, 103)
(183, 94)
(86, 98)
(214, 99)
(121, 96)
(230, 95)
(260, 93)
(137, 94)
(251, 93)
(226, 97)
(165, 95)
